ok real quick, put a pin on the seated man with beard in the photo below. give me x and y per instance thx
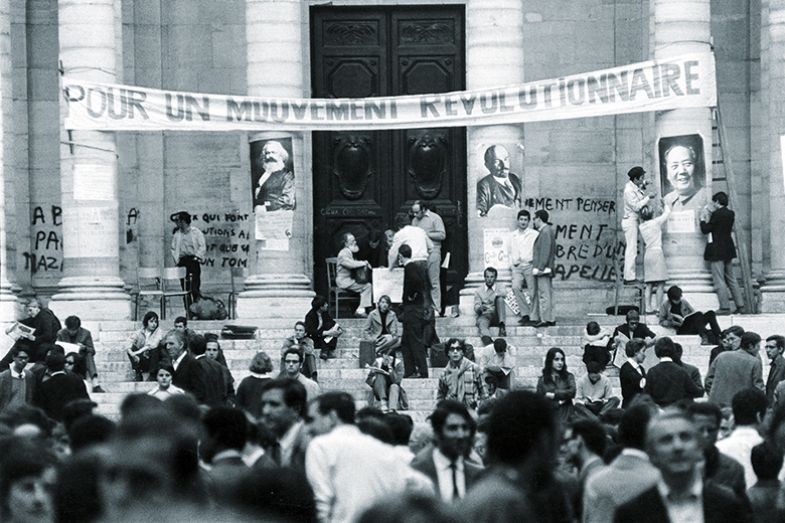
(344, 278)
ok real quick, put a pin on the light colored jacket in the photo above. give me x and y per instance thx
(373, 325)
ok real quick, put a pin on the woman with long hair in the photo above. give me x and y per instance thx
(655, 272)
(557, 384)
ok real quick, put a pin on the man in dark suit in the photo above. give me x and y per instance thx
(774, 346)
(283, 409)
(444, 464)
(225, 433)
(584, 444)
(632, 374)
(542, 270)
(667, 382)
(186, 368)
(631, 328)
(719, 468)
(673, 445)
(53, 394)
(213, 387)
(418, 317)
(717, 220)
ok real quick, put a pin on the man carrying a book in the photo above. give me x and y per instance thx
(82, 342)
(631, 329)
(677, 313)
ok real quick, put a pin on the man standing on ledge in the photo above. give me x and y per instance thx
(542, 269)
(716, 220)
(188, 250)
(634, 200)
(433, 226)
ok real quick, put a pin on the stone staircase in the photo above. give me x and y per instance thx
(343, 373)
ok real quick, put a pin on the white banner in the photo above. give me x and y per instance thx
(679, 82)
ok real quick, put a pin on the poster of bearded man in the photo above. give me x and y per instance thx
(273, 191)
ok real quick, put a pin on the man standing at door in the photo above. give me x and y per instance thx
(432, 224)
(188, 250)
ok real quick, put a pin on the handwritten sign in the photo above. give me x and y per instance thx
(389, 282)
(496, 247)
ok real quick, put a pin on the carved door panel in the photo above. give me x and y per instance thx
(362, 179)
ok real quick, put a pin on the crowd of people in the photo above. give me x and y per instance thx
(276, 447)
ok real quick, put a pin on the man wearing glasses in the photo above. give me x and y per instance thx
(16, 385)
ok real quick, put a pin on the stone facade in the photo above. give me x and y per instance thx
(575, 168)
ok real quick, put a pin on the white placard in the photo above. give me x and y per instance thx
(682, 222)
(93, 182)
(496, 248)
(389, 282)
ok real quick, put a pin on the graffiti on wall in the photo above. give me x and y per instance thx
(45, 255)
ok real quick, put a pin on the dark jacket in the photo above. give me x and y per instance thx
(186, 376)
(719, 505)
(720, 225)
(56, 392)
(423, 462)
(630, 383)
(5, 387)
(416, 285)
(776, 375)
(315, 332)
(544, 248)
(214, 391)
(490, 193)
(724, 471)
(667, 382)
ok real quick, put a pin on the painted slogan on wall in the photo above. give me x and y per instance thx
(227, 238)
(44, 258)
(586, 237)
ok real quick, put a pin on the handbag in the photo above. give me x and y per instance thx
(361, 274)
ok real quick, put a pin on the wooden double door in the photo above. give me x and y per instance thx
(363, 179)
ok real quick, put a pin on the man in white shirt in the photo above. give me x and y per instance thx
(749, 407)
(432, 224)
(283, 406)
(188, 250)
(634, 200)
(444, 463)
(521, 255)
(292, 363)
(414, 237)
(594, 393)
(348, 471)
(495, 360)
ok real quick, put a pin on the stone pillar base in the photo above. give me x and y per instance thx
(91, 300)
(773, 292)
(9, 305)
(275, 296)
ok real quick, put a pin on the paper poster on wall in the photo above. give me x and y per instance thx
(683, 172)
(499, 182)
(495, 248)
(273, 192)
(93, 182)
(682, 222)
(388, 282)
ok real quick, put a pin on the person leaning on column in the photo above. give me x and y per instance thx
(634, 200)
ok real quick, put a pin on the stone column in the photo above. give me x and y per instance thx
(279, 285)
(494, 57)
(7, 297)
(684, 26)
(91, 287)
(773, 291)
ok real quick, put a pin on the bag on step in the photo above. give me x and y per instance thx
(238, 332)
(207, 308)
(438, 355)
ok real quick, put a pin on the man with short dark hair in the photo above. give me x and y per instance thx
(45, 326)
(521, 255)
(283, 407)
(632, 375)
(733, 371)
(544, 255)
(635, 199)
(292, 365)
(426, 219)
(53, 394)
(632, 328)
(78, 335)
(186, 368)
(594, 393)
(188, 250)
(673, 445)
(627, 476)
(749, 408)
(716, 220)
(719, 468)
(495, 360)
(418, 318)
(764, 494)
(214, 390)
(301, 340)
(16, 384)
(692, 371)
(462, 379)
(676, 313)
(444, 463)
(667, 382)
(584, 444)
(774, 347)
(489, 304)
(730, 339)
(222, 447)
(349, 471)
